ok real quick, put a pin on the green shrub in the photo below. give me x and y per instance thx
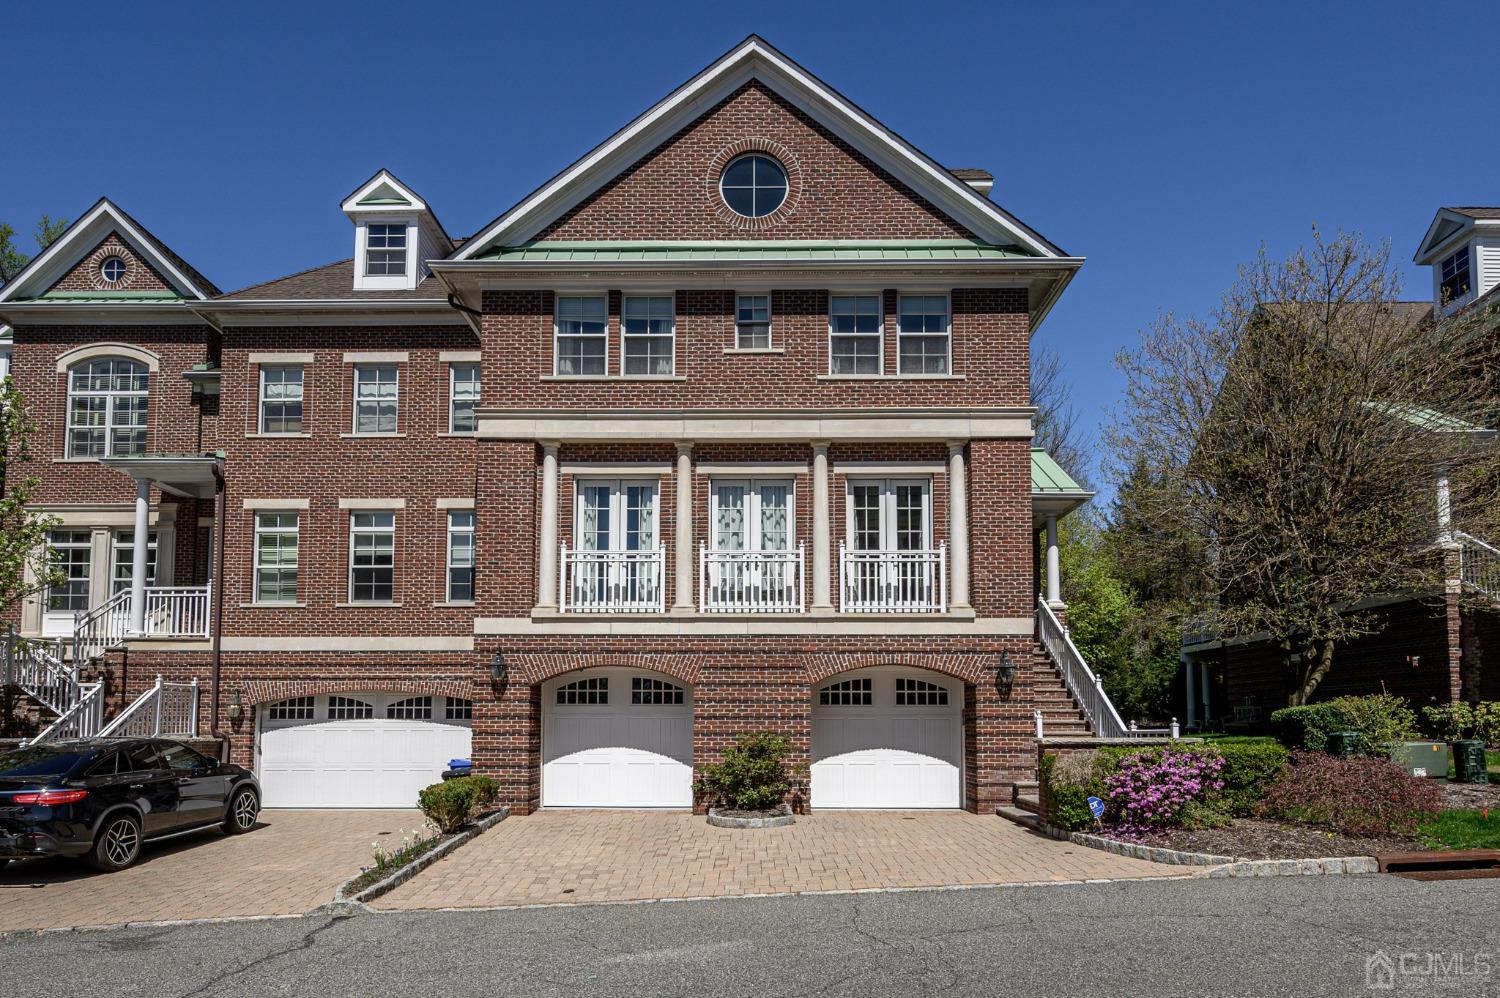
(1455, 721)
(449, 804)
(753, 776)
(1250, 768)
(1067, 804)
(1203, 814)
(1379, 720)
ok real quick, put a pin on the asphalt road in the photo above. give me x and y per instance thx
(1200, 938)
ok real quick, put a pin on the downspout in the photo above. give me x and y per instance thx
(218, 608)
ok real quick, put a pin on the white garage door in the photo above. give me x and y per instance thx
(617, 738)
(358, 749)
(887, 738)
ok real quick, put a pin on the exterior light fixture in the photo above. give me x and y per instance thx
(497, 667)
(1005, 673)
(236, 705)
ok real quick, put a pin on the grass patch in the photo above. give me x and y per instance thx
(1461, 830)
(1492, 760)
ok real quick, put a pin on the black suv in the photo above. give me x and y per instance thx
(101, 799)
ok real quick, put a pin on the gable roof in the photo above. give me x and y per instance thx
(1449, 223)
(88, 231)
(385, 192)
(755, 58)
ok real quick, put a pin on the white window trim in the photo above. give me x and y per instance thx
(879, 297)
(472, 531)
(947, 331)
(770, 346)
(557, 335)
(752, 510)
(888, 510)
(366, 281)
(618, 487)
(260, 420)
(453, 396)
(354, 430)
(670, 296)
(351, 601)
(256, 531)
(153, 546)
(109, 395)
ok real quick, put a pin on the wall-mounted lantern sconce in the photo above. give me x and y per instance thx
(497, 667)
(1005, 673)
(236, 705)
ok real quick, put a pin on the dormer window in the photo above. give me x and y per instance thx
(385, 248)
(1455, 276)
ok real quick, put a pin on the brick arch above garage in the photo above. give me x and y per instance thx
(969, 667)
(257, 692)
(538, 667)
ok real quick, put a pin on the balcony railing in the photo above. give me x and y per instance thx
(612, 581)
(750, 581)
(893, 581)
(171, 612)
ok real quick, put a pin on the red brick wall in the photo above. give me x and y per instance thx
(834, 191)
(85, 276)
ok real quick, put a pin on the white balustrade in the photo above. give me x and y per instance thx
(612, 581)
(750, 581)
(893, 581)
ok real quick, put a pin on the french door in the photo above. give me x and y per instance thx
(617, 559)
(889, 561)
(751, 564)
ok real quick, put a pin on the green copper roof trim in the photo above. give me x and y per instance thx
(1047, 476)
(1428, 419)
(107, 296)
(384, 201)
(771, 249)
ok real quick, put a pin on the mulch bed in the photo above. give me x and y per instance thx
(1252, 838)
(1472, 796)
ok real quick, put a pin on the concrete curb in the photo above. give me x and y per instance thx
(345, 903)
(1223, 866)
(769, 821)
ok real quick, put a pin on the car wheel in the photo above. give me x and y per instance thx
(118, 844)
(244, 806)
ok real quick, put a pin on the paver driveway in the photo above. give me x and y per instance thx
(574, 856)
(288, 864)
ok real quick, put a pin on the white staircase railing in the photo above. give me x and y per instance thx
(1479, 564)
(164, 709)
(171, 611)
(102, 628)
(1079, 678)
(750, 581)
(893, 581)
(39, 669)
(82, 720)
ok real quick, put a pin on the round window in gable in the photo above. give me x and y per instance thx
(753, 185)
(112, 268)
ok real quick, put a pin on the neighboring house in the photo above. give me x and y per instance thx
(725, 427)
(1430, 648)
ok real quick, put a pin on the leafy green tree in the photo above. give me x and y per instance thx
(12, 259)
(23, 534)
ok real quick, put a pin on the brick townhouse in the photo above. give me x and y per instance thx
(725, 427)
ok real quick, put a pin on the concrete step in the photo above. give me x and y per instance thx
(1023, 818)
(1029, 803)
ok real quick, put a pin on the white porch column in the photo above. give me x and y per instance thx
(138, 551)
(1054, 566)
(1444, 506)
(683, 521)
(546, 571)
(1203, 695)
(1188, 668)
(958, 525)
(822, 596)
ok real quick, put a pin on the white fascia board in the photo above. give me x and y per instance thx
(383, 178)
(754, 58)
(60, 313)
(55, 260)
(1428, 249)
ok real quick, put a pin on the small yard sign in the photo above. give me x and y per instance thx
(1097, 806)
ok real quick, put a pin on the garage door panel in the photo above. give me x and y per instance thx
(616, 754)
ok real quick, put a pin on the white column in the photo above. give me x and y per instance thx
(1054, 566)
(958, 525)
(683, 518)
(546, 570)
(138, 552)
(822, 596)
(1203, 694)
(1188, 668)
(1444, 506)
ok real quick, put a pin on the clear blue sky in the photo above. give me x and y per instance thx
(1164, 142)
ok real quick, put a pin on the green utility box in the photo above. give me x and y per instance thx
(1468, 762)
(1344, 743)
(1421, 758)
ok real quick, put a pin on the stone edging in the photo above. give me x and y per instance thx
(770, 821)
(345, 902)
(1221, 866)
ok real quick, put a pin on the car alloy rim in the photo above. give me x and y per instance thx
(244, 810)
(121, 842)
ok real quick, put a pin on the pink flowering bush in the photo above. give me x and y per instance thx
(1150, 789)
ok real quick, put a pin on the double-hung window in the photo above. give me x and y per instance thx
(372, 557)
(276, 557)
(923, 340)
(281, 399)
(107, 408)
(854, 334)
(617, 560)
(461, 556)
(71, 558)
(582, 335)
(122, 560)
(647, 327)
(463, 395)
(1455, 275)
(752, 322)
(376, 391)
(385, 248)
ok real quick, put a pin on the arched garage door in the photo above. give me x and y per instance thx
(617, 738)
(887, 738)
(358, 749)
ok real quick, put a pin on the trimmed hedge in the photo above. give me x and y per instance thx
(1378, 720)
(1250, 768)
(449, 804)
